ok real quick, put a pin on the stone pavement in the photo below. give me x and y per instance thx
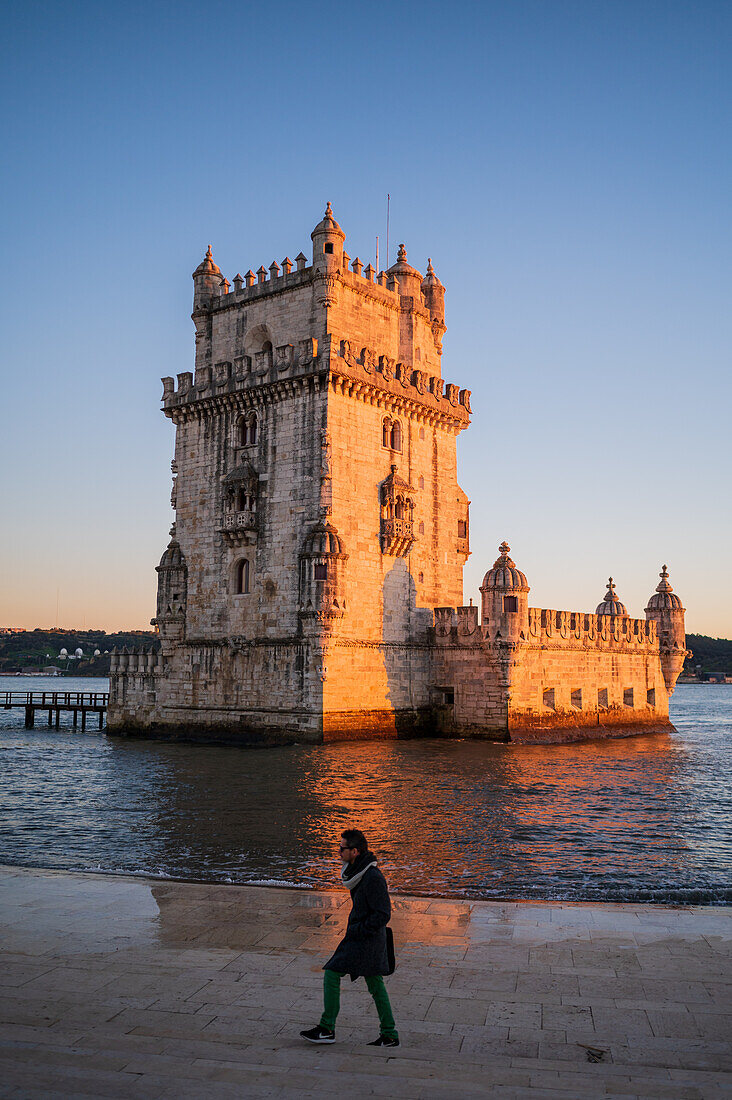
(132, 988)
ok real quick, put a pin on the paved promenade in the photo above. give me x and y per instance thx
(131, 988)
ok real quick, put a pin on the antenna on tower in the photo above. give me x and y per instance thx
(388, 201)
(377, 253)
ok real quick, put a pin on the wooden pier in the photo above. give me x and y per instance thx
(77, 702)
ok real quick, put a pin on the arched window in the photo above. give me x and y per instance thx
(242, 432)
(396, 436)
(399, 511)
(253, 427)
(242, 577)
(386, 432)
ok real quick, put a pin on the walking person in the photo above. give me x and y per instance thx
(366, 950)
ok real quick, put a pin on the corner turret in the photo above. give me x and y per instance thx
(666, 610)
(328, 238)
(208, 282)
(407, 277)
(505, 601)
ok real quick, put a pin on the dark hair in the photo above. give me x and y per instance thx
(354, 838)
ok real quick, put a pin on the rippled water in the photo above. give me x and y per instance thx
(643, 818)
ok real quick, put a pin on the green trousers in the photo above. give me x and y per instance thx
(332, 1002)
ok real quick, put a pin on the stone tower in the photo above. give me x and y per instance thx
(318, 518)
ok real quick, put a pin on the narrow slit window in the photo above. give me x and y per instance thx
(462, 528)
(576, 699)
(602, 702)
(510, 603)
(548, 698)
(651, 697)
(628, 697)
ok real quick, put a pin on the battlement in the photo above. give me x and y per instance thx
(345, 361)
(549, 629)
(144, 662)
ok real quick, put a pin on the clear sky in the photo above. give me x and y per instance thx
(565, 165)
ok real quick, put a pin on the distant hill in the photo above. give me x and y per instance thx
(710, 656)
(35, 649)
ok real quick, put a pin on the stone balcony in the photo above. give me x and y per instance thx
(397, 536)
(240, 526)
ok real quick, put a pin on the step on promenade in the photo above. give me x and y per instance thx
(122, 987)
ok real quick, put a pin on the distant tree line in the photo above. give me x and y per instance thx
(39, 649)
(710, 656)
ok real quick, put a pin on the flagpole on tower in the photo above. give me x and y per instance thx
(388, 201)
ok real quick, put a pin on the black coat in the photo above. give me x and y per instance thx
(362, 951)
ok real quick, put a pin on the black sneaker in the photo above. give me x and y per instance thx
(384, 1041)
(319, 1035)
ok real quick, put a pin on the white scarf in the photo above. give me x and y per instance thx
(355, 879)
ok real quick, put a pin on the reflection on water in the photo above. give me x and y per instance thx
(643, 818)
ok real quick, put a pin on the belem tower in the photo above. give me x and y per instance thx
(312, 588)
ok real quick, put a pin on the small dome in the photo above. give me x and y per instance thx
(78, 652)
(97, 653)
(504, 573)
(664, 598)
(401, 267)
(173, 556)
(324, 539)
(611, 605)
(328, 226)
(430, 279)
(63, 653)
(207, 266)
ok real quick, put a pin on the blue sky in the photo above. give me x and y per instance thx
(565, 165)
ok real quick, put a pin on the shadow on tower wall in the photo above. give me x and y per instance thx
(407, 653)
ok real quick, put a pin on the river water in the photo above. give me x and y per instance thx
(644, 818)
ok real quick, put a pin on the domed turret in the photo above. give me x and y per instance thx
(433, 293)
(611, 604)
(172, 593)
(208, 281)
(504, 574)
(666, 610)
(664, 598)
(328, 238)
(505, 600)
(409, 279)
(322, 578)
(324, 540)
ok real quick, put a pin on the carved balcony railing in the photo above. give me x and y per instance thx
(239, 526)
(397, 536)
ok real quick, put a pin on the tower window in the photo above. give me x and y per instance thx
(421, 483)
(421, 528)
(321, 572)
(396, 436)
(510, 603)
(548, 698)
(242, 577)
(462, 529)
(328, 248)
(421, 578)
(602, 699)
(386, 432)
(628, 697)
(576, 699)
(651, 697)
(247, 430)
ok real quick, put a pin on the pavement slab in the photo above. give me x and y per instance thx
(124, 987)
